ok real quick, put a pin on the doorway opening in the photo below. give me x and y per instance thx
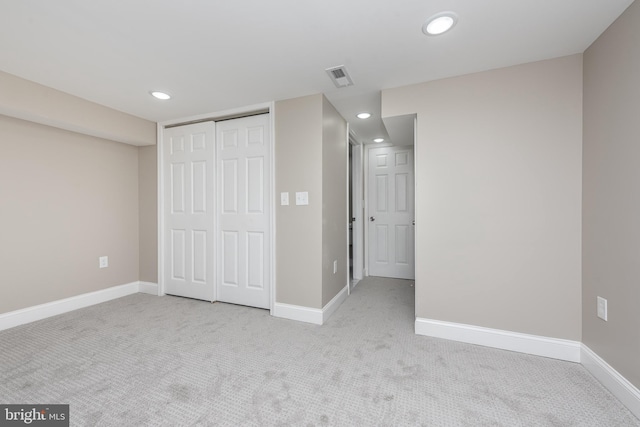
(389, 171)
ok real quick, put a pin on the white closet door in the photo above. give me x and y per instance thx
(243, 170)
(188, 162)
(391, 212)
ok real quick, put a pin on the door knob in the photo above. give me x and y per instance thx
(372, 218)
(413, 222)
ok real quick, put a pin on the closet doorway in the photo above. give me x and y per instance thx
(216, 210)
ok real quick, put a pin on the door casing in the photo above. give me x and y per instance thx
(357, 202)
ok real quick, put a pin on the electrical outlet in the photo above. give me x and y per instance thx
(335, 267)
(602, 308)
(103, 262)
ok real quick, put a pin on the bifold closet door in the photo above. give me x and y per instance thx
(189, 215)
(244, 198)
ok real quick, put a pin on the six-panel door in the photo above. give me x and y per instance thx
(188, 162)
(391, 212)
(243, 170)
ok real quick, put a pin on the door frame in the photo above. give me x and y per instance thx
(250, 110)
(357, 203)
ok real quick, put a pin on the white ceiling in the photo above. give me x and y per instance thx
(213, 55)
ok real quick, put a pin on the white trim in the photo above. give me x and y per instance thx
(213, 116)
(365, 210)
(216, 244)
(348, 200)
(148, 288)
(514, 341)
(297, 312)
(618, 385)
(357, 201)
(160, 207)
(53, 308)
(335, 302)
(272, 183)
(310, 315)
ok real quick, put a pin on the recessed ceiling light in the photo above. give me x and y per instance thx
(160, 95)
(363, 115)
(378, 140)
(439, 23)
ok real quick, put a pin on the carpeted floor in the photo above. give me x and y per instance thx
(143, 360)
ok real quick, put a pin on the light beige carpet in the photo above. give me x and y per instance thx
(145, 360)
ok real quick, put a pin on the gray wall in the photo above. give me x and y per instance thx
(298, 159)
(311, 155)
(69, 194)
(611, 192)
(148, 212)
(66, 199)
(498, 196)
(334, 201)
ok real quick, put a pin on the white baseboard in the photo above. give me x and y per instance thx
(555, 348)
(148, 288)
(618, 385)
(310, 315)
(42, 311)
(531, 344)
(335, 302)
(298, 312)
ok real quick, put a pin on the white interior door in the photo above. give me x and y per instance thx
(391, 212)
(188, 162)
(243, 147)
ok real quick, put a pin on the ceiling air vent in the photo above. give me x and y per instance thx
(339, 76)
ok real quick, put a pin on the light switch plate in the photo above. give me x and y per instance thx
(284, 199)
(302, 198)
(602, 308)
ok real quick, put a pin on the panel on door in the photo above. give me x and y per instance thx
(188, 164)
(243, 152)
(391, 212)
